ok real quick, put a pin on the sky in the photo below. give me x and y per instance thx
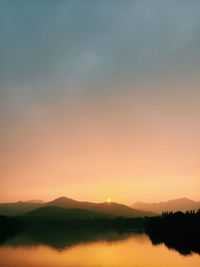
(99, 99)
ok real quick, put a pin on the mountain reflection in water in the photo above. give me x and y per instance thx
(63, 238)
(89, 248)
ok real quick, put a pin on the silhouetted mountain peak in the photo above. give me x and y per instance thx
(63, 198)
(112, 208)
(62, 202)
(185, 199)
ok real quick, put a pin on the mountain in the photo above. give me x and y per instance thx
(16, 208)
(112, 208)
(109, 209)
(181, 204)
(62, 213)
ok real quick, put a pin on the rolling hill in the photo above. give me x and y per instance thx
(181, 204)
(62, 213)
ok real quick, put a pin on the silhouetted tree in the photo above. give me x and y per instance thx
(177, 230)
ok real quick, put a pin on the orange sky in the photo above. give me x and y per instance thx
(127, 149)
(100, 100)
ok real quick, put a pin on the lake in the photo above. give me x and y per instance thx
(90, 249)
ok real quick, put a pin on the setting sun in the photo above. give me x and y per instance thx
(108, 200)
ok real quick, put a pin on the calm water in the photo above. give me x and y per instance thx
(91, 249)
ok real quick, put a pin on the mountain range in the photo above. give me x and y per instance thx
(181, 204)
(64, 207)
(71, 208)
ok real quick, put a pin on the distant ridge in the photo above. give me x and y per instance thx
(16, 208)
(181, 204)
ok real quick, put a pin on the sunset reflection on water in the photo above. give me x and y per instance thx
(133, 251)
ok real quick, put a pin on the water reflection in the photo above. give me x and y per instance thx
(63, 238)
(89, 248)
(184, 245)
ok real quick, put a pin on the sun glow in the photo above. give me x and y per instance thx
(108, 200)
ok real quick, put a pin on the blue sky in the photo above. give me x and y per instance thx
(95, 43)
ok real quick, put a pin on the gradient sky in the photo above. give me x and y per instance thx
(99, 99)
